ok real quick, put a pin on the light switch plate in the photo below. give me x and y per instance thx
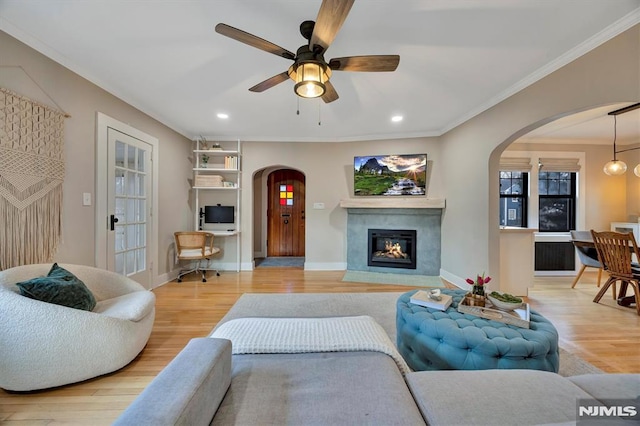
(86, 198)
(318, 206)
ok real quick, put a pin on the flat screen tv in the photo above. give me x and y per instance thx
(390, 175)
(219, 214)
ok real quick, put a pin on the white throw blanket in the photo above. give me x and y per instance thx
(303, 335)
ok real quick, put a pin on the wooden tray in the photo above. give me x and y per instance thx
(490, 312)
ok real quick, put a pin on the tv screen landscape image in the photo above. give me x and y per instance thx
(376, 175)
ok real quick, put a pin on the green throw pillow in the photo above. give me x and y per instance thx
(60, 287)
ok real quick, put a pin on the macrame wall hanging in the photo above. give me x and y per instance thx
(31, 175)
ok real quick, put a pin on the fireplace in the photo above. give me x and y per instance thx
(392, 248)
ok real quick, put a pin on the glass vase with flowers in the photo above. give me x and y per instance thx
(477, 295)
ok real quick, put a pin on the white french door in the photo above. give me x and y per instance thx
(128, 192)
(126, 197)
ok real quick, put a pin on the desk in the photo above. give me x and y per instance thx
(230, 233)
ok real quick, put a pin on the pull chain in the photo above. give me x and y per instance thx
(319, 115)
(298, 105)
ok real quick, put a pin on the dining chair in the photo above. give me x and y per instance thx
(195, 247)
(615, 251)
(588, 255)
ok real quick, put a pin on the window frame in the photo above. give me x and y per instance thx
(524, 197)
(572, 196)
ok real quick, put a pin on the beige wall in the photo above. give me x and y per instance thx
(460, 161)
(632, 182)
(471, 152)
(81, 99)
(328, 168)
(605, 196)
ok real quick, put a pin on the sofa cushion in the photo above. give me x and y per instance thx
(132, 306)
(494, 397)
(188, 390)
(331, 388)
(60, 287)
(609, 386)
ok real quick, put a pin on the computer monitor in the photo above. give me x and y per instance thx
(219, 214)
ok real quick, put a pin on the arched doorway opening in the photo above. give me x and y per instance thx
(581, 142)
(279, 217)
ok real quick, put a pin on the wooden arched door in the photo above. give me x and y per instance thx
(285, 213)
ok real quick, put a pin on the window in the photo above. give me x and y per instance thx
(286, 195)
(513, 198)
(557, 200)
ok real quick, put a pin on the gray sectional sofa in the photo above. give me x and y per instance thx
(207, 384)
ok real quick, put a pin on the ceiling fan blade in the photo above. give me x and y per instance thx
(255, 41)
(330, 94)
(331, 16)
(270, 82)
(375, 63)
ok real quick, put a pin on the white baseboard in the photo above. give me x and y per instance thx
(325, 266)
(454, 279)
(162, 279)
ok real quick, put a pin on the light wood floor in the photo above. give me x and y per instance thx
(604, 334)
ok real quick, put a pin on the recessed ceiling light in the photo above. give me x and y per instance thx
(223, 116)
(396, 118)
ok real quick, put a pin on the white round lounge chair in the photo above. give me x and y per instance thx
(43, 345)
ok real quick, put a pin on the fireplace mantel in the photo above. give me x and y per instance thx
(393, 203)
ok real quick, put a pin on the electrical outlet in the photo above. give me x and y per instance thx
(318, 206)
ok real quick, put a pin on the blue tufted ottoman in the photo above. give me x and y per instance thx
(429, 339)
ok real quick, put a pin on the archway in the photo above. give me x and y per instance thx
(597, 203)
(279, 217)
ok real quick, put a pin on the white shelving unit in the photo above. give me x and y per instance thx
(219, 175)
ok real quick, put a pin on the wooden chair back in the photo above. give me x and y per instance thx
(615, 251)
(193, 240)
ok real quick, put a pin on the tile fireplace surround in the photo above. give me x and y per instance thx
(422, 215)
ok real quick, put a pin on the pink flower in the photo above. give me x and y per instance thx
(480, 280)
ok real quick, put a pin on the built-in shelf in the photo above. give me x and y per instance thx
(221, 172)
(393, 203)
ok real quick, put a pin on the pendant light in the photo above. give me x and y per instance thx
(617, 167)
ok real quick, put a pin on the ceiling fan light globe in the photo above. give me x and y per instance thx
(636, 170)
(310, 89)
(615, 168)
(310, 78)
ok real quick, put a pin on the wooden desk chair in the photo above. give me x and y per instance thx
(588, 255)
(615, 251)
(195, 247)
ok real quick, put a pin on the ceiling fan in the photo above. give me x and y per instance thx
(309, 70)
